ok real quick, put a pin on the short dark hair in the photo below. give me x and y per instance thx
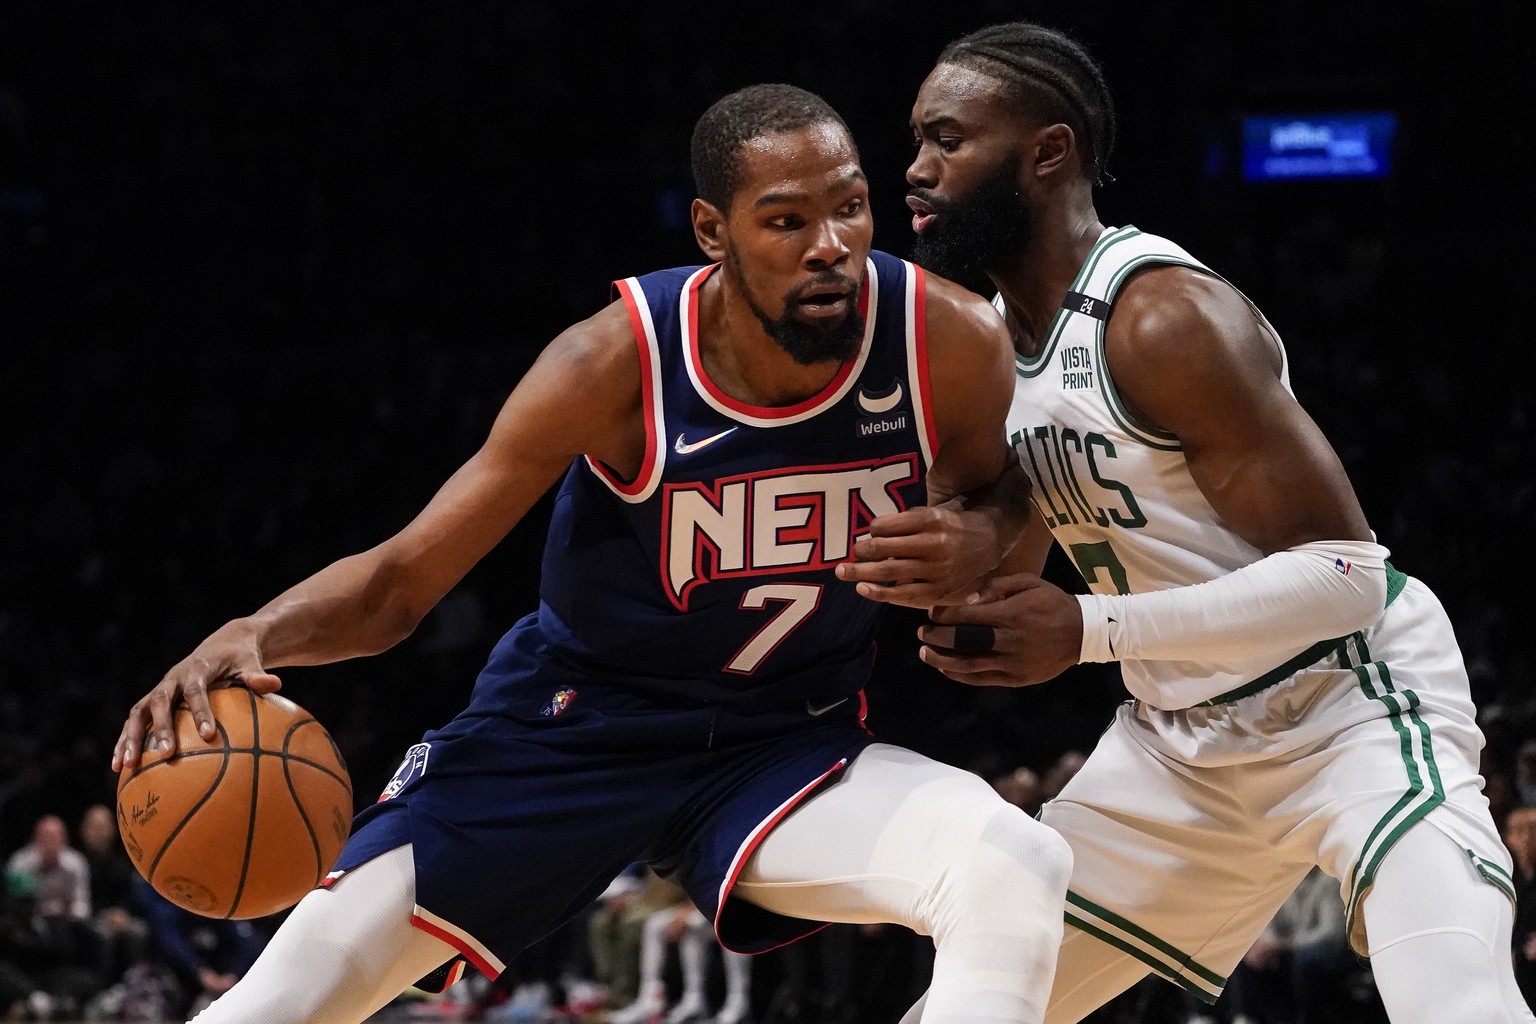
(1049, 75)
(738, 118)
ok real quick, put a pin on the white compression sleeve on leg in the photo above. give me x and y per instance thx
(904, 839)
(340, 955)
(1283, 601)
(1439, 937)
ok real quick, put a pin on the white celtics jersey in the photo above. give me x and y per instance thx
(1117, 493)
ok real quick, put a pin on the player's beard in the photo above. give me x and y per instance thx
(811, 342)
(977, 232)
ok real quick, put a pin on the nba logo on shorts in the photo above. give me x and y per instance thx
(412, 768)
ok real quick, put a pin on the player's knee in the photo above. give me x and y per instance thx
(1041, 852)
(1018, 871)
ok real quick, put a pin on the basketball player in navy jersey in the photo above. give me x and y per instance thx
(1299, 701)
(688, 693)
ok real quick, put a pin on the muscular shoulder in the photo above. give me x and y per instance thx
(958, 316)
(1180, 340)
(600, 350)
(1173, 315)
(586, 382)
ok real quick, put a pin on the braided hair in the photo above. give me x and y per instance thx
(1048, 75)
(738, 118)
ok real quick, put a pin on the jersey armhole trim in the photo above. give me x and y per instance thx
(917, 360)
(644, 484)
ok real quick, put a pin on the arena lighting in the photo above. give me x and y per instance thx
(1300, 147)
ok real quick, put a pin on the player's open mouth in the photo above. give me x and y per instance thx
(922, 214)
(828, 302)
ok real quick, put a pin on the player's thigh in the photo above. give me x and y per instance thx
(883, 844)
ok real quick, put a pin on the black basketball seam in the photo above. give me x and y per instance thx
(314, 841)
(316, 765)
(250, 829)
(155, 864)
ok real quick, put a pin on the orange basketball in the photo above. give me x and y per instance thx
(245, 825)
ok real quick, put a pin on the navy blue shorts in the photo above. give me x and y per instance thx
(523, 808)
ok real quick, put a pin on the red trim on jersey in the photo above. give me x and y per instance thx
(760, 411)
(920, 341)
(647, 407)
(464, 948)
(750, 847)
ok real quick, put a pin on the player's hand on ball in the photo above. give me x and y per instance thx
(228, 656)
(923, 557)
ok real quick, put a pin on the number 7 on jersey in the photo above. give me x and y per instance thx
(800, 599)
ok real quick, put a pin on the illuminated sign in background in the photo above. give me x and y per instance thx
(1310, 146)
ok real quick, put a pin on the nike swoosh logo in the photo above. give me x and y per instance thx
(1111, 637)
(816, 712)
(875, 405)
(685, 448)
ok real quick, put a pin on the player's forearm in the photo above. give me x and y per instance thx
(1285, 601)
(1003, 504)
(352, 608)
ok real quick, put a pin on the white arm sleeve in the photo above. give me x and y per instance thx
(1280, 603)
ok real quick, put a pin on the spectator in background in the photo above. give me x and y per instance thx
(615, 928)
(1525, 773)
(1295, 972)
(1520, 837)
(41, 969)
(684, 926)
(63, 877)
(1020, 787)
(122, 933)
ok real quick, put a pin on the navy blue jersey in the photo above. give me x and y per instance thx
(710, 574)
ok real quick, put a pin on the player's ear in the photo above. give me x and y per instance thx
(1052, 149)
(709, 229)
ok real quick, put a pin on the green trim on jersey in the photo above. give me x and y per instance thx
(1396, 581)
(1163, 957)
(1425, 791)
(1494, 875)
(1147, 434)
(1311, 656)
(1033, 365)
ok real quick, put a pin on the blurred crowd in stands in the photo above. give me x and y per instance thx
(266, 275)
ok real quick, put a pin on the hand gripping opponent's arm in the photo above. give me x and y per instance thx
(978, 497)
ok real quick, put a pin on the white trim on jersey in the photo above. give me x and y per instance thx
(489, 964)
(917, 359)
(645, 481)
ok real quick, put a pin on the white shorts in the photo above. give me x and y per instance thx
(1190, 828)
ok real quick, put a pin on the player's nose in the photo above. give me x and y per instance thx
(829, 246)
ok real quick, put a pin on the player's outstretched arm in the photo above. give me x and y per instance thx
(978, 497)
(581, 397)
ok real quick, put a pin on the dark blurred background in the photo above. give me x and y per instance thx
(268, 270)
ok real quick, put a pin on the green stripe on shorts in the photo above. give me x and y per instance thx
(1425, 790)
(1163, 957)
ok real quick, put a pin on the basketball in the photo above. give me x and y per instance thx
(244, 825)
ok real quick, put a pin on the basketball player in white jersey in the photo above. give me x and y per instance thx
(1298, 700)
